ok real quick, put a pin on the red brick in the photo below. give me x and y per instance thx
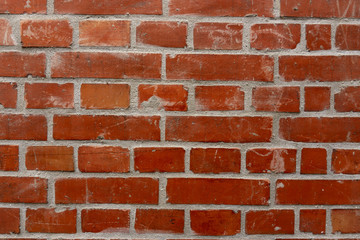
(231, 8)
(50, 220)
(46, 33)
(159, 159)
(10, 220)
(270, 222)
(345, 220)
(18, 64)
(320, 8)
(115, 33)
(107, 190)
(320, 129)
(215, 222)
(207, 67)
(50, 158)
(8, 94)
(262, 160)
(23, 6)
(318, 37)
(215, 160)
(105, 220)
(317, 98)
(23, 190)
(108, 7)
(219, 98)
(313, 221)
(9, 158)
(106, 65)
(49, 95)
(223, 191)
(313, 161)
(159, 221)
(218, 36)
(275, 36)
(347, 100)
(276, 99)
(218, 129)
(167, 97)
(105, 96)
(346, 161)
(319, 68)
(23, 127)
(6, 33)
(162, 34)
(104, 159)
(318, 192)
(347, 36)
(87, 127)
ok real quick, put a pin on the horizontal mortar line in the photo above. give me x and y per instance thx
(167, 51)
(168, 206)
(240, 114)
(184, 17)
(188, 83)
(124, 236)
(239, 176)
(279, 143)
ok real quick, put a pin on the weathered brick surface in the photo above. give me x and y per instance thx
(179, 119)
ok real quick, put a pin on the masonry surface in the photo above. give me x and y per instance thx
(180, 119)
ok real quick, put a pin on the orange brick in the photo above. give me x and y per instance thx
(46, 33)
(317, 98)
(162, 34)
(49, 95)
(50, 158)
(6, 33)
(219, 98)
(105, 96)
(167, 97)
(218, 36)
(318, 37)
(114, 33)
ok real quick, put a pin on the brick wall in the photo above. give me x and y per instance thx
(180, 119)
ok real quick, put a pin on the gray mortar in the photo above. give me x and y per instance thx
(132, 110)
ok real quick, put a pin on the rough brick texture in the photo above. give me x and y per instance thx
(271, 160)
(313, 221)
(8, 93)
(9, 160)
(48, 220)
(46, 33)
(10, 220)
(159, 159)
(219, 98)
(96, 33)
(105, 96)
(215, 222)
(313, 161)
(50, 158)
(103, 159)
(49, 95)
(159, 220)
(318, 37)
(179, 119)
(215, 160)
(166, 97)
(270, 222)
(105, 220)
(218, 36)
(6, 36)
(162, 34)
(275, 36)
